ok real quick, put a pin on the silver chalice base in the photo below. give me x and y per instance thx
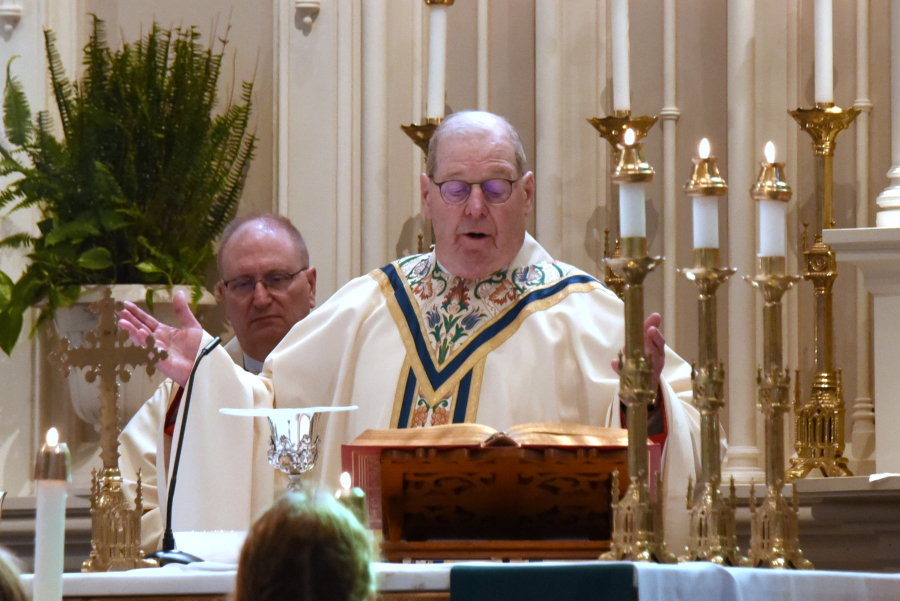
(294, 446)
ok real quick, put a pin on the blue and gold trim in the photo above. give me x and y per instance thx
(436, 392)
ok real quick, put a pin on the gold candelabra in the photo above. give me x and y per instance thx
(774, 528)
(115, 525)
(637, 518)
(713, 535)
(820, 420)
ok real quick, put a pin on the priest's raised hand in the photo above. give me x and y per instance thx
(181, 344)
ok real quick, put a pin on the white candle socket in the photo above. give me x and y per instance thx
(620, 56)
(437, 61)
(52, 474)
(824, 52)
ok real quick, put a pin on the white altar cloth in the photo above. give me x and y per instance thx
(684, 582)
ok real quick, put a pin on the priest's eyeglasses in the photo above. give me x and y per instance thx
(495, 191)
(277, 281)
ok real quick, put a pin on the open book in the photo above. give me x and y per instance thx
(470, 435)
(362, 457)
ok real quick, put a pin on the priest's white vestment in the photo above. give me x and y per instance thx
(145, 446)
(412, 345)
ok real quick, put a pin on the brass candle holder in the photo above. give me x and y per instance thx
(421, 134)
(637, 533)
(774, 528)
(713, 536)
(610, 279)
(820, 420)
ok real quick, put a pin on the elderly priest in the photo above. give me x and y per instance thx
(488, 328)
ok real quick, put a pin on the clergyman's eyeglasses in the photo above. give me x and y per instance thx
(495, 191)
(277, 281)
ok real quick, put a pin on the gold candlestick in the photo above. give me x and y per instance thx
(774, 528)
(713, 536)
(637, 533)
(820, 420)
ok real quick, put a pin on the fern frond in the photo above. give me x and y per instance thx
(16, 112)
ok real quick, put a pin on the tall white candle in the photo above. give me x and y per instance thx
(437, 61)
(50, 524)
(620, 56)
(632, 213)
(772, 218)
(706, 222)
(824, 51)
(706, 213)
(632, 216)
(771, 228)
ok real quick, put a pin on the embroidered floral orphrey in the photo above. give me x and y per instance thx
(449, 325)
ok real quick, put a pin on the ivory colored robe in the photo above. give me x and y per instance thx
(547, 359)
(139, 445)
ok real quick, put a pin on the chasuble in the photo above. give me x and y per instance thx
(414, 346)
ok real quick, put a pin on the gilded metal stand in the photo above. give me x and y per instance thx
(774, 529)
(713, 536)
(115, 525)
(820, 420)
(637, 518)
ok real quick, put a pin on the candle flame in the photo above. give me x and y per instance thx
(345, 480)
(629, 137)
(52, 437)
(704, 149)
(770, 152)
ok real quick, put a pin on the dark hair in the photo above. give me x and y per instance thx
(10, 585)
(306, 547)
(449, 124)
(278, 221)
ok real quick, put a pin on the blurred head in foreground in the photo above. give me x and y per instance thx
(306, 547)
(10, 586)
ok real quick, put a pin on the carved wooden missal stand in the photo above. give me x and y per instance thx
(465, 491)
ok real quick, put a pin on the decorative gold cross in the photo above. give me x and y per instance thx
(106, 356)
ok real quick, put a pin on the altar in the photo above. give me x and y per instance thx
(441, 581)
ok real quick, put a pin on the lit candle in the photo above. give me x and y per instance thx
(52, 473)
(705, 186)
(353, 499)
(632, 215)
(620, 56)
(824, 51)
(437, 61)
(772, 206)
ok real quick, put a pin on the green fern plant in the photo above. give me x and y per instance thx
(142, 182)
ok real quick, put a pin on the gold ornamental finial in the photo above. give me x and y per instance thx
(770, 184)
(705, 177)
(631, 166)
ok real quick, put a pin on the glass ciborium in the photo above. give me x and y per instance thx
(294, 441)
